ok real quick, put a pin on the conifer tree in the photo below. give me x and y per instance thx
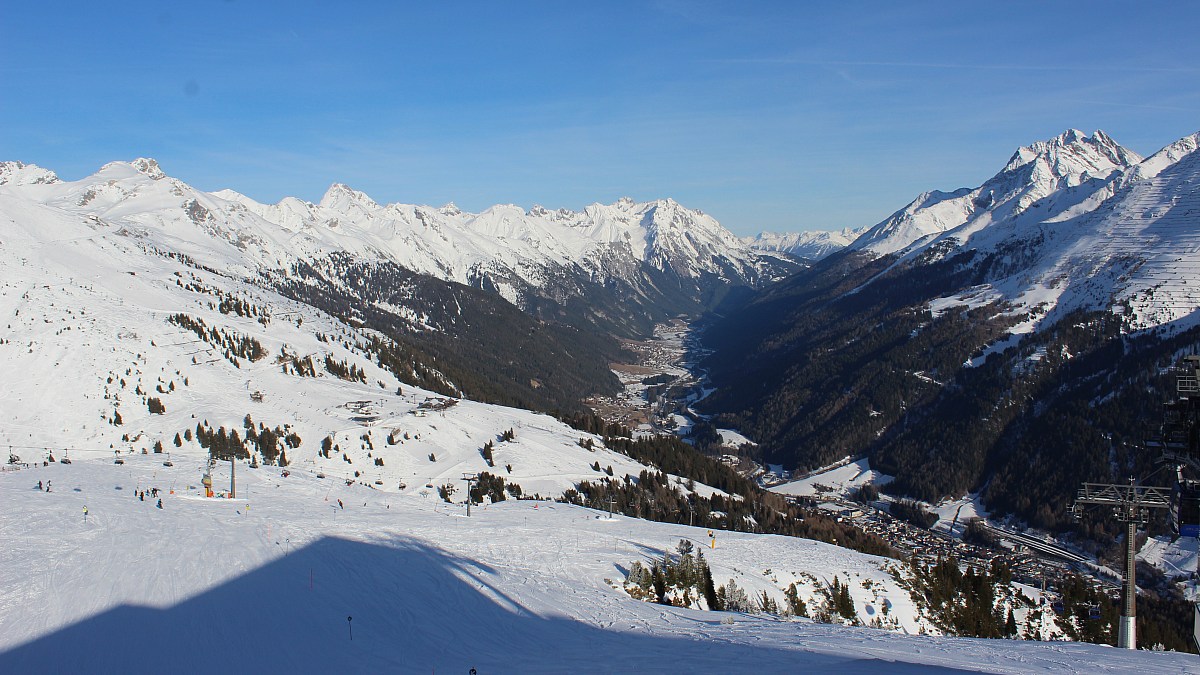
(710, 591)
(660, 585)
(796, 606)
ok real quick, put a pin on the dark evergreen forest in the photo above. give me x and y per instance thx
(478, 342)
(845, 359)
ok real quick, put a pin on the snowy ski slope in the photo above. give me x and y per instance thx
(266, 582)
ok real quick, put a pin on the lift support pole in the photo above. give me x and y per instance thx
(1130, 505)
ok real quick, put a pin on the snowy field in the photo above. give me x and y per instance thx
(268, 581)
(1175, 558)
(839, 480)
(956, 513)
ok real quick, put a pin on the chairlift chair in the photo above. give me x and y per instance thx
(168, 461)
(1094, 612)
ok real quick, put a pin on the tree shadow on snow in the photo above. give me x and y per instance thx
(413, 608)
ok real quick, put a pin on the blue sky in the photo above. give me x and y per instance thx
(769, 116)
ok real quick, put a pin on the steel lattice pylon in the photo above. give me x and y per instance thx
(1131, 504)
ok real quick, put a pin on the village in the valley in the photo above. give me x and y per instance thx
(664, 382)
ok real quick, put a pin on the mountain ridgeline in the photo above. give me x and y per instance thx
(505, 306)
(1012, 339)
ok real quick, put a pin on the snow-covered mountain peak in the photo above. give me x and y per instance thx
(344, 199)
(114, 172)
(1069, 224)
(19, 173)
(557, 215)
(148, 167)
(812, 245)
(1034, 172)
(450, 209)
(1152, 165)
(1072, 156)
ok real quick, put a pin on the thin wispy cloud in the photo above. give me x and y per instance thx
(1015, 67)
(1137, 106)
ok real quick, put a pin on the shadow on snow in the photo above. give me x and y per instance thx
(415, 609)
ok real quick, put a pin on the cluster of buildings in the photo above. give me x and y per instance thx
(1041, 567)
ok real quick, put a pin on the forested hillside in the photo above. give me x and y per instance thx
(1011, 339)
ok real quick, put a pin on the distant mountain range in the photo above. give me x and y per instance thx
(512, 306)
(950, 343)
(1010, 338)
(809, 246)
(659, 257)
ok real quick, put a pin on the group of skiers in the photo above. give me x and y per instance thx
(141, 495)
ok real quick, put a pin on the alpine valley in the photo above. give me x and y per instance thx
(347, 365)
(1012, 339)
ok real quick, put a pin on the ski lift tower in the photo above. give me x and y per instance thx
(470, 478)
(1131, 504)
(206, 480)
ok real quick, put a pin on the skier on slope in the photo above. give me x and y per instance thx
(39, 486)
(160, 503)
